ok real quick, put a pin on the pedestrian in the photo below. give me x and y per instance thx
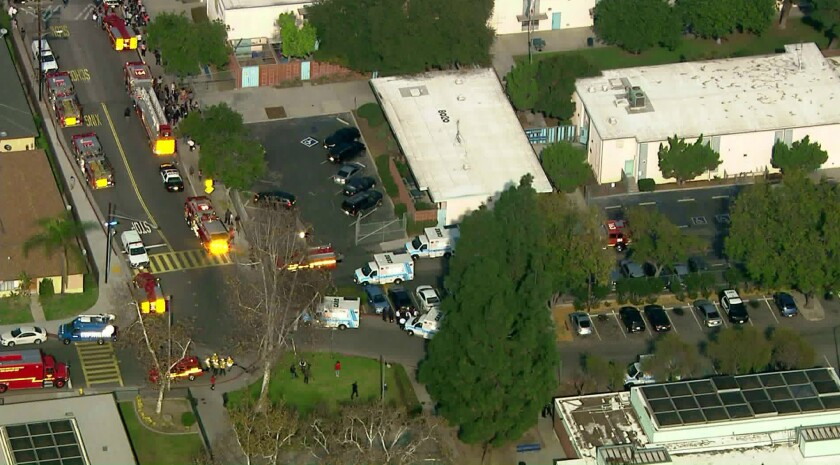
(546, 411)
(191, 144)
(65, 2)
(355, 393)
(95, 17)
(338, 368)
(143, 50)
(207, 364)
(127, 112)
(228, 217)
(15, 23)
(72, 182)
(306, 374)
(228, 364)
(157, 57)
(200, 175)
(213, 382)
(214, 363)
(293, 371)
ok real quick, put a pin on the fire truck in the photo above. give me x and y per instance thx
(202, 219)
(323, 256)
(188, 367)
(92, 161)
(31, 368)
(617, 234)
(121, 35)
(140, 86)
(148, 295)
(62, 95)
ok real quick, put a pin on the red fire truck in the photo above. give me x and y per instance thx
(31, 368)
(618, 234)
(62, 95)
(148, 294)
(323, 256)
(140, 86)
(188, 367)
(201, 217)
(92, 160)
(121, 35)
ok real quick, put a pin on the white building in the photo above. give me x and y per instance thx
(790, 418)
(741, 107)
(253, 19)
(510, 16)
(461, 137)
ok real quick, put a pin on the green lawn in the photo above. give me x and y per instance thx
(325, 390)
(155, 448)
(57, 307)
(701, 49)
(14, 310)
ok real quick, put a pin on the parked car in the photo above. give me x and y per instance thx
(360, 204)
(402, 304)
(347, 171)
(709, 313)
(343, 152)
(658, 318)
(582, 323)
(428, 298)
(171, 177)
(631, 269)
(272, 198)
(358, 185)
(735, 308)
(23, 335)
(342, 136)
(674, 276)
(786, 304)
(632, 319)
(376, 298)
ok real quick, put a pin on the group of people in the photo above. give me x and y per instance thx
(305, 370)
(218, 365)
(135, 13)
(177, 103)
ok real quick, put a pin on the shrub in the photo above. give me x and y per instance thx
(638, 290)
(46, 288)
(400, 209)
(388, 182)
(187, 419)
(372, 113)
(647, 185)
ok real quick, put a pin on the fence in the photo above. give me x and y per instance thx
(213, 81)
(552, 135)
(380, 231)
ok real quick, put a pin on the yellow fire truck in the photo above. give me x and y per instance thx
(92, 161)
(62, 95)
(140, 86)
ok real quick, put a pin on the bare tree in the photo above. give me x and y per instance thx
(263, 433)
(376, 434)
(269, 296)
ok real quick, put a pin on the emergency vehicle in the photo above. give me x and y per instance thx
(386, 268)
(436, 242)
(146, 291)
(323, 256)
(336, 312)
(188, 367)
(121, 35)
(426, 325)
(89, 328)
(618, 234)
(31, 368)
(62, 95)
(205, 224)
(92, 161)
(140, 86)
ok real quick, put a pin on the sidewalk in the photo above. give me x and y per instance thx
(508, 46)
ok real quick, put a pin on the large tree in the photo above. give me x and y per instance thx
(672, 359)
(827, 14)
(556, 77)
(522, 86)
(740, 350)
(185, 45)
(492, 379)
(713, 19)
(685, 162)
(658, 241)
(754, 16)
(790, 350)
(637, 25)
(59, 233)
(601, 375)
(803, 155)
(566, 166)
(297, 42)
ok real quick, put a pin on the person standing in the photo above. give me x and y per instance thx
(127, 112)
(72, 182)
(355, 393)
(228, 364)
(338, 368)
(306, 374)
(212, 382)
(293, 371)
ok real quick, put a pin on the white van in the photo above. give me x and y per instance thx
(134, 248)
(44, 56)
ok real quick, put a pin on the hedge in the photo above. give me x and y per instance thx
(388, 183)
(647, 185)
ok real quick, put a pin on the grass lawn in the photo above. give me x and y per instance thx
(57, 307)
(701, 49)
(155, 448)
(14, 310)
(325, 390)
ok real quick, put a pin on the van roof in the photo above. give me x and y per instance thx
(131, 236)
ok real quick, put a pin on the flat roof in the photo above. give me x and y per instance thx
(459, 133)
(88, 426)
(797, 88)
(234, 4)
(16, 118)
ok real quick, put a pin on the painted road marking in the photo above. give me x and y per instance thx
(78, 75)
(685, 200)
(93, 120)
(645, 204)
(612, 207)
(131, 175)
(720, 197)
(186, 260)
(86, 12)
(59, 30)
(99, 363)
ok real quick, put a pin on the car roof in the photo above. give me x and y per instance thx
(373, 290)
(33, 329)
(731, 294)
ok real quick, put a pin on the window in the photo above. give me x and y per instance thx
(535, 24)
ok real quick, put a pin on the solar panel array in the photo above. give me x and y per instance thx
(725, 398)
(45, 443)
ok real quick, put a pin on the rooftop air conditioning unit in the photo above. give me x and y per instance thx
(637, 98)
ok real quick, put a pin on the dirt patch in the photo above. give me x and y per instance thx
(275, 112)
(379, 140)
(169, 420)
(562, 324)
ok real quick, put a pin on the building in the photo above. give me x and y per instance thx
(253, 19)
(17, 127)
(790, 417)
(511, 16)
(28, 193)
(460, 136)
(740, 106)
(85, 430)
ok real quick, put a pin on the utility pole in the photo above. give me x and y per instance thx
(530, 11)
(109, 230)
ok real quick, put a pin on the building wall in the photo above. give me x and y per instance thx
(75, 285)
(457, 209)
(828, 137)
(17, 145)
(572, 14)
(818, 448)
(615, 153)
(251, 23)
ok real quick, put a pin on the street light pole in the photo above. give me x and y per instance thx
(530, 10)
(109, 232)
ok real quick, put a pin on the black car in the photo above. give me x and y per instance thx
(402, 304)
(657, 318)
(360, 204)
(632, 319)
(275, 198)
(343, 152)
(358, 185)
(342, 136)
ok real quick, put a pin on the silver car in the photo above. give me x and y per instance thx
(709, 312)
(582, 322)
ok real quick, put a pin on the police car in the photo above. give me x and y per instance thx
(171, 177)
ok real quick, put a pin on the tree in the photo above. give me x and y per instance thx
(803, 155)
(654, 22)
(522, 86)
(263, 433)
(298, 42)
(787, 5)
(827, 14)
(754, 16)
(59, 233)
(556, 78)
(713, 19)
(602, 375)
(658, 241)
(791, 351)
(672, 359)
(566, 166)
(185, 45)
(492, 383)
(267, 298)
(685, 162)
(228, 153)
(740, 350)
(210, 40)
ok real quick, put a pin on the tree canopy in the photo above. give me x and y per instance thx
(491, 380)
(395, 36)
(566, 166)
(658, 241)
(718, 18)
(298, 42)
(803, 155)
(522, 86)
(672, 359)
(59, 233)
(827, 14)
(185, 45)
(790, 350)
(547, 86)
(740, 350)
(637, 25)
(685, 162)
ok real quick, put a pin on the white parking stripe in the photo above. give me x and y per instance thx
(673, 326)
(685, 200)
(595, 328)
(719, 197)
(620, 325)
(694, 314)
(769, 307)
(644, 204)
(723, 315)
(612, 207)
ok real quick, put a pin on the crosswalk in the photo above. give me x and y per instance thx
(99, 363)
(185, 260)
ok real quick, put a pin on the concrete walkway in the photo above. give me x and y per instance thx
(508, 46)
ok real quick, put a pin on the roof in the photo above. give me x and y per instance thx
(16, 357)
(233, 4)
(797, 88)
(88, 428)
(28, 193)
(459, 133)
(16, 118)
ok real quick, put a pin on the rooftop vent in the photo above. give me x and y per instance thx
(613, 121)
(461, 98)
(637, 97)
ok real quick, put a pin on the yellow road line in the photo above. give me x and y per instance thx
(131, 175)
(99, 363)
(168, 262)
